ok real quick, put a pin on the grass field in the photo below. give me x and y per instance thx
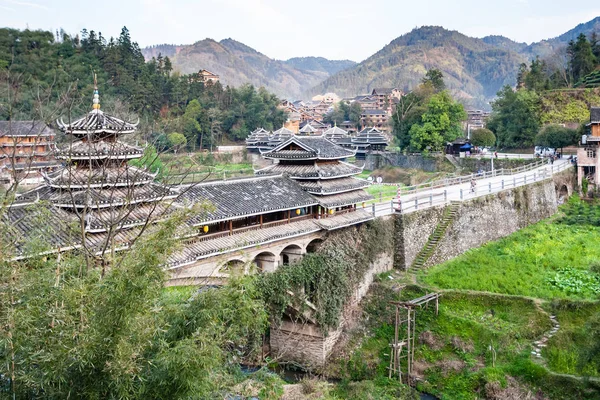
(553, 259)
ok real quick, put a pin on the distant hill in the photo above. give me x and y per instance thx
(474, 69)
(320, 64)
(237, 64)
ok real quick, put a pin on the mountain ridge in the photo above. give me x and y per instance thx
(474, 68)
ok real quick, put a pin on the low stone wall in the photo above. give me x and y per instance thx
(478, 221)
(473, 164)
(428, 164)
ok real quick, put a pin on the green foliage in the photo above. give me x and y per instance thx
(439, 124)
(515, 117)
(343, 111)
(176, 140)
(582, 59)
(528, 261)
(483, 137)
(556, 137)
(326, 279)
(408, 112)
(150, 160)
(435, 78)
(576, 281)
(81, 332)
(36, 63)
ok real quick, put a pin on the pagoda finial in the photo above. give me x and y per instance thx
(96, 101)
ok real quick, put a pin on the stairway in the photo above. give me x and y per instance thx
(438, 233)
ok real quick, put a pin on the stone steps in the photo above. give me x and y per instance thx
(438, 233)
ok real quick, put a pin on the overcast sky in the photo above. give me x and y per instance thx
(335, 29)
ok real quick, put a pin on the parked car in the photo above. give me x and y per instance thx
(543, 151)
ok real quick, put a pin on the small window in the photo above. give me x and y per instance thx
(591, 153)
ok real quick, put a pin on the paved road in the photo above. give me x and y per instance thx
(459, 192)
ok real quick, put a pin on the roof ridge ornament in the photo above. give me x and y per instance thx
(96, 100)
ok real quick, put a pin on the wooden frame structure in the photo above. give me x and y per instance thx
(404, 348)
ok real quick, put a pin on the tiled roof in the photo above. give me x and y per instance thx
(97, 121)
(244, 197)
(313, 171)
(250, 238)
(330, 186)
(370, 129)
(98, 198)
(595, 115)
(334, 133)
(71, 177)
(344, 199)
(346, 219)
(314, 146)
(24, 129)
(307, 129)
(382, 91)
(99, 150)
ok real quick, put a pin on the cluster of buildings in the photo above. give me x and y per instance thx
(370, 139)
(376, 107)
(308, 190)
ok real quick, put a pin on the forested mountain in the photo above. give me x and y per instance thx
(320, 64)
(237, 64)
(43, 76)
(474, 69)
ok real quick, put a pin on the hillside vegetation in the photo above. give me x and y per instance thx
(474, 69)
(237, 64)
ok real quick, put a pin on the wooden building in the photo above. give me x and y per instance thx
(207, 76)
(375, 118)
(26, 150)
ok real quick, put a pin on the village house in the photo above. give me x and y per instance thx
(207, 76)
(588, 160)
(26, 151)
(375, 118)
(385, 98)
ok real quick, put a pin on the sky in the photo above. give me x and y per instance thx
(281, 29)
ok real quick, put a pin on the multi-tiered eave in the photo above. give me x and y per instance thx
(97, 184)
(319, 167)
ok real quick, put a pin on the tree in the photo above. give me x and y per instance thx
(582, 60)
(556, 137)
(515, 118)
(191, 126)
(176, 141)
(408, 112)
(536, 79)
(435, 78)
(483, 137)
(439, 124)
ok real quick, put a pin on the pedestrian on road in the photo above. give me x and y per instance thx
(473, 185)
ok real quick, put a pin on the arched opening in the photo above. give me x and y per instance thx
(314, 246)
(265, 262)
(290, 255)
(233, 267)
(562, 193)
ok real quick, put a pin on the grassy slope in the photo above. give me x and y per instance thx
(453, 356)
(523, 263)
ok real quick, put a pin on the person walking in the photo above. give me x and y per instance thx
(473, 185)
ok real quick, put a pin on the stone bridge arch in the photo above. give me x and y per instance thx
(291, 254)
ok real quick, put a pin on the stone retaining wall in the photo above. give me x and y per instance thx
(478, 221)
